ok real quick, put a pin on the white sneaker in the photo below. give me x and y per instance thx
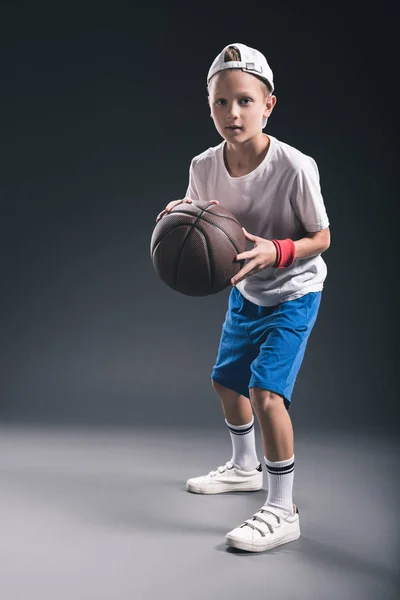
(226, 478)
(266, 529)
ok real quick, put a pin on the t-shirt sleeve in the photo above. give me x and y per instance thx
(192, 190)
(306, 198)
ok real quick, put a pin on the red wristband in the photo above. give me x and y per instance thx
(286, 252)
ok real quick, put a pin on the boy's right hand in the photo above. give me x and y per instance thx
(171, 205)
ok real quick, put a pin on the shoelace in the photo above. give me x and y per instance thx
(221, 469)
(265, 517)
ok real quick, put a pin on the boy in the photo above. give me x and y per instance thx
(274, 191)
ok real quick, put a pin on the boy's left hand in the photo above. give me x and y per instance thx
(262, 256)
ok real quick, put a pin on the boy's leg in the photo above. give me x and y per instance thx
(240, 421)
(277, 436)
(277, 522)
(237, 408)
(230, 378)
(275, 424)
(243, 472)
(283, 337)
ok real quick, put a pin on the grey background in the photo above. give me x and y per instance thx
(101, 112)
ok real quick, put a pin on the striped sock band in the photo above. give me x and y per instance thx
(243, 446)
(280, 483)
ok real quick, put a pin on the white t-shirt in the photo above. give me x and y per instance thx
(279, 199)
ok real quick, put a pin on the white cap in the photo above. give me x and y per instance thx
(252, 61)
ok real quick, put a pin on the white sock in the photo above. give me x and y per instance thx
(280, 483)
(244, 446)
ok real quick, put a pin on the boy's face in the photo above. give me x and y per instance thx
(238, 102)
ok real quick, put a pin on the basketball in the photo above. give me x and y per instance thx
(193, 248)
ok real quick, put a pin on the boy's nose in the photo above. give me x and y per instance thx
(233, 111)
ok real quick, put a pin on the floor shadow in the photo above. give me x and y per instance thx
(336, 558)
(254, 494)
(280, 550)
(340, 558)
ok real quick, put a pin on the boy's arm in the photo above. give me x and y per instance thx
(313, 244)
(264, 253)
(308, 205)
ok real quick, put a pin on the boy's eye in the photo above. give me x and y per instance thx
(245, 100)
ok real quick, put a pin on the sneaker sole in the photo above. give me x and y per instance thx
(222, 488)
(251, 547)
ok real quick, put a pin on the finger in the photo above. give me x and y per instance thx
(169, 207)
(245, 272)
(160, 215)
(177, 202)
(245, 255)
(174, 203)
(250, 236)
(214, 201)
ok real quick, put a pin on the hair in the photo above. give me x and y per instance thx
(232, 53)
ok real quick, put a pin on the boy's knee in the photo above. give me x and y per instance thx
(225, 393)
(265, 400)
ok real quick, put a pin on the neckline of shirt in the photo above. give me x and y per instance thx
(252, 173)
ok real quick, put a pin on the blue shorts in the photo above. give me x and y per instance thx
(263, 346)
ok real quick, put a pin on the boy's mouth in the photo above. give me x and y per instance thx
(233, 127)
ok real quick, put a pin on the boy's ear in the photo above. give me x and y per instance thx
(269, 105)
(271, 101)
